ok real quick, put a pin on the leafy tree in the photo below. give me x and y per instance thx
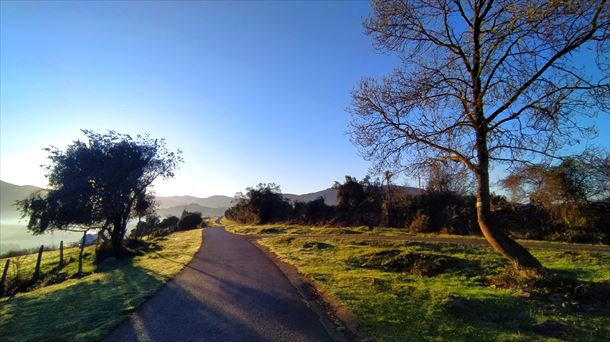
(99, 184)
(144, 205)
(359, 202)
(482, 81)
(170, 223)
(317, 211)
(261, 204)
(147, 226)
(350, 195)
(189, 220)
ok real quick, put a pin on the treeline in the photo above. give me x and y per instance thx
(568, 202)
(152, 225)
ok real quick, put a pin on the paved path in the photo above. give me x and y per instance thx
(552, 246)
(230, 291)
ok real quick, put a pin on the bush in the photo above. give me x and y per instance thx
(260, 205)
(420, 223)
(189, 220)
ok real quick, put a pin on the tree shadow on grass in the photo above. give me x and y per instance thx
(83, 310)
(510, 315)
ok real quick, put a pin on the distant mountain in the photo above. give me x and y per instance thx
(217, 201)
(205, 211)
(329, 195)
(9, 193)
(174, 205)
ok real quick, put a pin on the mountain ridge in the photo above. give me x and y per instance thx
(173, 205)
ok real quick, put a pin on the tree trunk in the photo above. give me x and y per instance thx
(138, 227)
(116, 237)
(517, 254)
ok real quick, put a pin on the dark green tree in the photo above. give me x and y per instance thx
(144, 205)
(189, 220)
(261, 204)
(97, 183)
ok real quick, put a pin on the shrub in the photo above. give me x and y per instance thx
(189, 220)
(420, 223)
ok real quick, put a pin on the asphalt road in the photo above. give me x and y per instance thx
(230, 291)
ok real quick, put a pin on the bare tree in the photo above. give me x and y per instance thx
(482, 81)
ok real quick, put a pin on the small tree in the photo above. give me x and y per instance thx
(169, 223)
(261, 204)
(144, 206)
(97, 184)
(481, 81)
(189, 220)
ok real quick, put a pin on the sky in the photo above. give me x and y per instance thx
(249, 91)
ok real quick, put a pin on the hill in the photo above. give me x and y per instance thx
(217, 201)
(330, 195)
(173, 205)
(193, 207)
(9, 193)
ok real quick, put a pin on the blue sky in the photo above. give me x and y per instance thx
(250, 91)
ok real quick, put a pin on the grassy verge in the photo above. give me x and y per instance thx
(420, 291)
(282, 228)
(295, 229)
(21, 268)
(85, 309)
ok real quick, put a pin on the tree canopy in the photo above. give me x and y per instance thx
(98, 184)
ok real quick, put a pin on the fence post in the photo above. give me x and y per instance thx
(61, 253)
(4, 277)
(37, 270)
(80, 255)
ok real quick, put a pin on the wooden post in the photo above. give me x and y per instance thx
(61, 253)
(3, 280)
(37, 270)
(80, 255)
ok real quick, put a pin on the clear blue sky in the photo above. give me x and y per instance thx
(250, 91)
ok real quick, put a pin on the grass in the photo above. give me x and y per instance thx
(396, 299)
(296, 229)
(22, 267)
(87, 308)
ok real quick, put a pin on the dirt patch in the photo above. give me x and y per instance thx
(394, 260)
(272, 231)
(317, 245)
(550, 329)
(559, 289)
(285, 240)
(348, 232)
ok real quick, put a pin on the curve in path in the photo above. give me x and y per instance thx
(230, 291)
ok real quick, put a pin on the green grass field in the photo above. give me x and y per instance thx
(422, 291)
(277, 228)
(85, 309)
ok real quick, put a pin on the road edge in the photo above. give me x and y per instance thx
(124, 320)
(336, 319)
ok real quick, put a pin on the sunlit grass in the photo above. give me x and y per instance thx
(296, 229)
(455, 305)
(85, 309)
